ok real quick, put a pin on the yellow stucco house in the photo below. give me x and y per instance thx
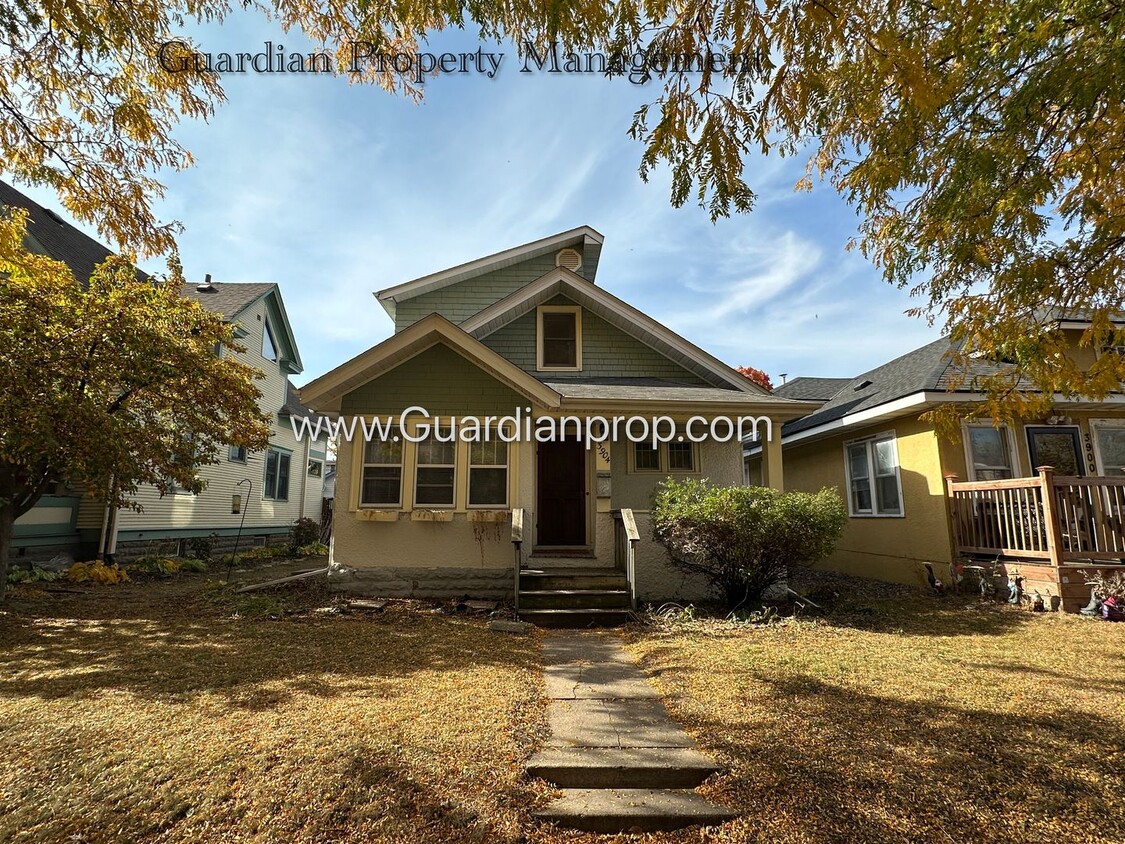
(915, 498)
(526, 338)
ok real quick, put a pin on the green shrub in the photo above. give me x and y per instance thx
(34, 574)
(305, 531)
(193, 564)
(201, 547)
(316, 549)
(744, 539)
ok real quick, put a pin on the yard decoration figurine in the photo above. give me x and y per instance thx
(1015, 588)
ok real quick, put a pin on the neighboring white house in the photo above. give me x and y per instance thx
(275, 487)
(265, 492)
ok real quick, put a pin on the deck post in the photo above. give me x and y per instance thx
(954, 515)
(1051, 514)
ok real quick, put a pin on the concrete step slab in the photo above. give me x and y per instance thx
(606, 681)
(577, 618)
(614, 810)
(623, 767)
(579, 578)
(580, 599)
(608, 723)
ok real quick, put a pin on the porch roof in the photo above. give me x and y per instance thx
(673, 395)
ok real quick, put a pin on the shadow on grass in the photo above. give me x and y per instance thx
(847, 766)
(923, 615)
(173, 644)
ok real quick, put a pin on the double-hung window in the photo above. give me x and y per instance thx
(381, 484)
(488, 474)
(874, 488)
(560, 337)
(277, 474)
(434, 479)
(989, 452)
(1109, 446)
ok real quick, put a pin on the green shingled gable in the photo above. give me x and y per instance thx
(458, 302)
(607, 351)
(438, 379)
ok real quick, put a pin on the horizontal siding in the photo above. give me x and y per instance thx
(460, 301)
(607, 351)
(211, 509)
(438, 379)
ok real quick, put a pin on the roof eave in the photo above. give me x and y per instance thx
(479, 266)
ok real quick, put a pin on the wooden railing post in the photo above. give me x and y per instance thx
(1051, 514)
(954, 514)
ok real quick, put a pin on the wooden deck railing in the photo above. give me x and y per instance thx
(1059, 520)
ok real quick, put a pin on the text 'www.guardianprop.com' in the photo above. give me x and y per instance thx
(416, 424)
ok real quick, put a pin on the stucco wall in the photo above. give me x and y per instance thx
(888, 548)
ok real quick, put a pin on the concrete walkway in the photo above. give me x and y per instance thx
(621, 760)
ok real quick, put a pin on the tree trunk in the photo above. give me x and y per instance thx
(7, 519)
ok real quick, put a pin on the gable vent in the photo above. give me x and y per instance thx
(570, 259)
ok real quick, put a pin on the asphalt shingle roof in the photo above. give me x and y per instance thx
(926, 368)
(228, 300)
(56, 237)
(811, 389)
(652, 389)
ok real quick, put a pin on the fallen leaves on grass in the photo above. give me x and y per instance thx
(166, 716)
(917, 720)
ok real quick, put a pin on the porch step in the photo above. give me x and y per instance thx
(567, 561)
(625, 809)
(619, 767)
(543, 579)
(577, 617)
(574, 599)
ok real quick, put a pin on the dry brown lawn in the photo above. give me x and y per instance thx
(172, 712)
(916, 720)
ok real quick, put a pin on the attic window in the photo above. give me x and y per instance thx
(570, 259)
(559, 335)
(269, 345)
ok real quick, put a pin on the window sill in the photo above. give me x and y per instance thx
(488, 514)
(876, 515)
(368, 514)
(431, 515)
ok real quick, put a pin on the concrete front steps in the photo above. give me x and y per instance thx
(610, 811)
(622, 768)
(620, 762)
(574, 596)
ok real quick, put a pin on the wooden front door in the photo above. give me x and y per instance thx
(561, 488)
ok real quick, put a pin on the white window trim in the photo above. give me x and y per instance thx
(1094, 425)
(506, 466)
(871, 476)
(1013, 456)
(452, 505)
(363, 465)
(558, 309)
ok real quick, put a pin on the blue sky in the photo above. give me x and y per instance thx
(336, 190)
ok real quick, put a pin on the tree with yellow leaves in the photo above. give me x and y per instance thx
(981, 142)
(109, 384)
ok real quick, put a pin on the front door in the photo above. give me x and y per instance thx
(561, 486)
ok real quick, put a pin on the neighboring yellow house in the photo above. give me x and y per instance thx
(868, 442)
(562, 527)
